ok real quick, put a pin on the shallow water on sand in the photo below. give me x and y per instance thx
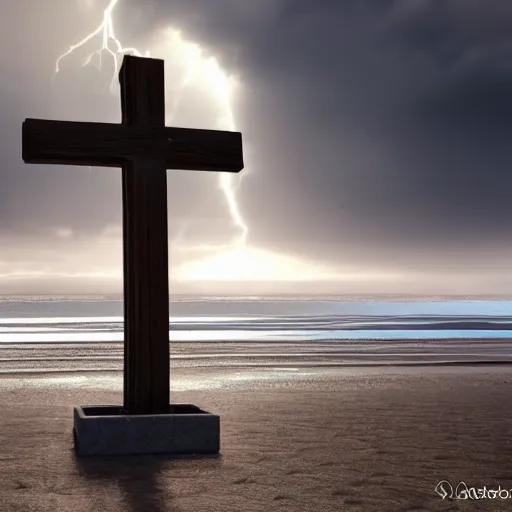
(69, 334)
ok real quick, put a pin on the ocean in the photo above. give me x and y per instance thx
(67, 334)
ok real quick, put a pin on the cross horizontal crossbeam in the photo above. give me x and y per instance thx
(112, 145)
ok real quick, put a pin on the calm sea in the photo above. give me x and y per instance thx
(40, 334)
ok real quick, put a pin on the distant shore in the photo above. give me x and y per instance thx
(392, 297)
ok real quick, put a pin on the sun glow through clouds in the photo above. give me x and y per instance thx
(235, 260)
(249, 264)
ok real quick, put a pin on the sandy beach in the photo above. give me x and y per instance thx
(315, 440)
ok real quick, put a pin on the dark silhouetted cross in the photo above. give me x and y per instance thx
(144, 148)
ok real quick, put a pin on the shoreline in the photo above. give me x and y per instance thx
(287, 341)
(16, 374)
(53, 359)
(242, 378)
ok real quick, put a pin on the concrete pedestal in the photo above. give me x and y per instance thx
(106, 430)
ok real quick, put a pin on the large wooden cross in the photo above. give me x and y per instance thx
(144, 148)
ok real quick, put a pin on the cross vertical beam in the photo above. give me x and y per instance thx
(145, 247)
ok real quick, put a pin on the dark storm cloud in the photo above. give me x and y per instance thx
(377, 131)
(379, 125)
(387, 128)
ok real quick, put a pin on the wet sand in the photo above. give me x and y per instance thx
(94, 357)
(359, 439)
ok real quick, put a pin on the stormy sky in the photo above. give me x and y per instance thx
(376, 138)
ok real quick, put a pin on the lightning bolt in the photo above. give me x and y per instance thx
(218, 82)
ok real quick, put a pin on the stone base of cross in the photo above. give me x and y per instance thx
(145, 149)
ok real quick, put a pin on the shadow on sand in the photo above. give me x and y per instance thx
(140, 479)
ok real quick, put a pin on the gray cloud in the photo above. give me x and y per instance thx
(376, 131)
